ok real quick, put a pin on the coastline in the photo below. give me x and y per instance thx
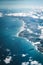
(22, 28)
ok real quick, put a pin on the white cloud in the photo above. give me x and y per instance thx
(40, 27)
(25, 63)
(41, 35)
(23, 55)
(30, 13)
(7, 60)
(22, 14)
(32, 63)
(14, 55)
(35, 63)
(1, 14)
(17, 14)
(29, 30)
(0, 60)
(41, 17)
(7, 50)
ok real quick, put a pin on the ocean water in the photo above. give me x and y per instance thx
(17, 50)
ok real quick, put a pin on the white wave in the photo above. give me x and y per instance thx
(21, 28)
(1, 14)
(35, 45)
(33, 16)
(26, 39)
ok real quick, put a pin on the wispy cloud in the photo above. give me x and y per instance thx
(1, 14)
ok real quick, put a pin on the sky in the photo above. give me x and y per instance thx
(21, 3)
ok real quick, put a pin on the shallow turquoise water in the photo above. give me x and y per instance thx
(9, 27)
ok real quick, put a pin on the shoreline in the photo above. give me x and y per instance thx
(22, 28)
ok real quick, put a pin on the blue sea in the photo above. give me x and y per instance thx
(16, 50)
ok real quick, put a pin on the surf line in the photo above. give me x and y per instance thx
(22, 28)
